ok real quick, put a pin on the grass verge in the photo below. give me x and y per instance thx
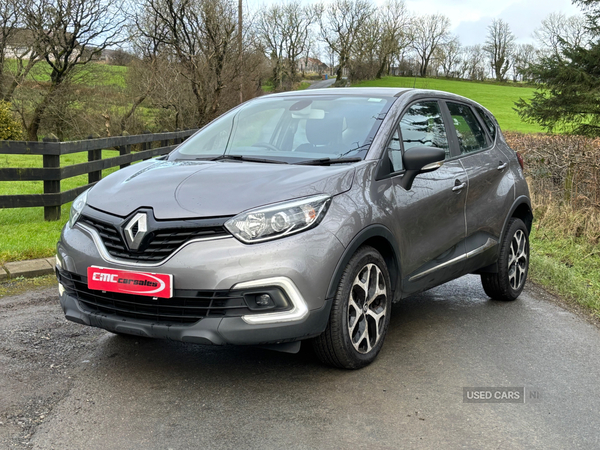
(19, 285)
(567, 266)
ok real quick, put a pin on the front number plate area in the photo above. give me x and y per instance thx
(127, 282)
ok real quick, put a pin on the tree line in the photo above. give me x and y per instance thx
(189, 60)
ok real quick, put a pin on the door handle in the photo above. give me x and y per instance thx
(459, 187)
(502, 166)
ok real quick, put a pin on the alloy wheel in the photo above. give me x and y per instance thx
(517, 260)
(367, 308)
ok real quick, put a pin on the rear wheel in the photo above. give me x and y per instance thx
(360, 313)
(513, 264)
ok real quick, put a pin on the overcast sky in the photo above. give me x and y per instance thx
(470, 18)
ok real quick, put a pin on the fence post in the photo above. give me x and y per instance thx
(146, 145)
(94, 155)
(124, 150)
(51, 213)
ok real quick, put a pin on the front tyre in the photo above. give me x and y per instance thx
(513, 264)
(360, 313)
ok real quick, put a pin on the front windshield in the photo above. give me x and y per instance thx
(291, 129)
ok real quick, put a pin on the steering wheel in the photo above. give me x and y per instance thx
(266, 145)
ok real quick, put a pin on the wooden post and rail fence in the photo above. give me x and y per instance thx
(52, 173)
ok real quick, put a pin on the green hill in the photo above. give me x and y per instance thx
(498, 98)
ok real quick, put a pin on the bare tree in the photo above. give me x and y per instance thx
(429, 32)
(341, 22)
(284, 31)
(364, 58)
(473, 63)
(142, 80)
(384, 36)
(524, 56)
(557, 31)
(499, 45)
(170, 92)
(272, 35)
(298, 20)
(201, 36)
(71, 33)
(394, 20)
(18, 43)
(9, 25)
(449, 56)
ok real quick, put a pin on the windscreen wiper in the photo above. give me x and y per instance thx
(247, 158)
(328, 161)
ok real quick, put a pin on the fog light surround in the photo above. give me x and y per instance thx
(298, 311)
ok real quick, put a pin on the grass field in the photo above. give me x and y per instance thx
(498, 98)
(90, 75)
(23, 232)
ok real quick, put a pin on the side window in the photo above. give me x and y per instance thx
(422, 125)
(489, 123)
(395, 151)
(471, 136)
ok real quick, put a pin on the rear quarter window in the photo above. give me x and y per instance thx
(470, 134)
(489, 123)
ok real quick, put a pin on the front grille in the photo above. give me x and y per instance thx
(185, 307)
(159, 244)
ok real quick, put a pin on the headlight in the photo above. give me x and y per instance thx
(282, 219)
(76, 208)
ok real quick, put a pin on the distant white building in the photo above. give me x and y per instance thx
(312, 65)
(21, 44)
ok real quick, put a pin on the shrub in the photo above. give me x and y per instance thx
(563, 168)
(10, 129)
(563, 173)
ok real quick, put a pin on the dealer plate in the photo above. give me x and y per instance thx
(128, 282)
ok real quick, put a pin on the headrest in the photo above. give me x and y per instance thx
(323, 131)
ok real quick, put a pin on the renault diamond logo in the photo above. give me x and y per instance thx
(135, 230)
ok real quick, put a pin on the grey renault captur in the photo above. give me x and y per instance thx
(301, 216)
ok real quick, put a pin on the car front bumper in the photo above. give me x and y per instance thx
(216, 331)
(302, 266)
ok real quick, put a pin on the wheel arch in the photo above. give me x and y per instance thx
(520, 209)
(381, 239)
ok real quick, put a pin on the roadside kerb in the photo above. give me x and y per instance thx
(27, 269)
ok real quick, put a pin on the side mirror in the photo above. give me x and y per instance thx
(421, 160)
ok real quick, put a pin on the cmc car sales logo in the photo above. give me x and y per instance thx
(139, 283)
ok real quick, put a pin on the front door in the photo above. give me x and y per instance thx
(430, 217)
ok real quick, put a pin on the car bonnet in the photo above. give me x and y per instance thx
(193, 189)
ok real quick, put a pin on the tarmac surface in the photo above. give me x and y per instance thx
(67, 386)
(322, 84)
